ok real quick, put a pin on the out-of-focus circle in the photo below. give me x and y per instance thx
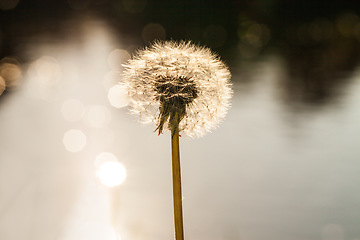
(98, 117)
(111, 173)
(153, 31)
(2, 85)
(10, 71)
(72, 110)
(118, 57)
(74, 140)
(134, 6)
(44, 75)
(215, 35)
(118, 96)
(8, 4)
(46, 69)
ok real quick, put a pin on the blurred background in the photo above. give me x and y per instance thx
(284, 165)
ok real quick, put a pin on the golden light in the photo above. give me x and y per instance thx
(10, 72)
(2, 85)
(118, 96)
(110, 172)
(72, 110)
(98, 117)
(74, 140)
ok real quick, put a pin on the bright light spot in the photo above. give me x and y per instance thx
(118, 96)
(10, 72)
(117, 57)
(109, 171)
(46, 69)
(74, 140)
(2, 85)
(96, 231)
(8, 4)
(98, 117)
(72, 110)
(44, 74)
(153, 31)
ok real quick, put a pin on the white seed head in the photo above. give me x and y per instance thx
(178, 77)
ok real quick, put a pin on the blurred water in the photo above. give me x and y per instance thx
(282, 166)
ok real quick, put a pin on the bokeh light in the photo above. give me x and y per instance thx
(72, 110)
(44, 74)
(74, 140)
(2, 85)
(109, 171)
(153, 31)
(98, 117)
(346, 22)
(10, 71)
(118, 96)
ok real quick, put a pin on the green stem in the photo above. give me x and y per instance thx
(177, 197)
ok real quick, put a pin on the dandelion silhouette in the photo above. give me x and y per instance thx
(180, 87)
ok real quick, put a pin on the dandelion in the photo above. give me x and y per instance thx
(182, 78)
(180, 87)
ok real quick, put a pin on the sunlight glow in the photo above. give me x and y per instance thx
(98, 117)
(74, 140)
(109, 171)
(72, 110)
(118, 96)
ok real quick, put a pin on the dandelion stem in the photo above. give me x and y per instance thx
(177, 197)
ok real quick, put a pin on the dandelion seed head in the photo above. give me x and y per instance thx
(178, 77)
